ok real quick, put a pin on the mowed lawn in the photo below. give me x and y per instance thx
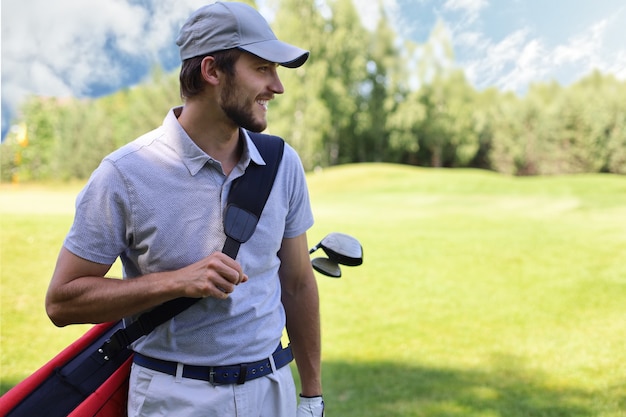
(480, 294)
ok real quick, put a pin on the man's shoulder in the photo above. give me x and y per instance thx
(135, 147)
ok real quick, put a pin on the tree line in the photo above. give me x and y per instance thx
(363, 96)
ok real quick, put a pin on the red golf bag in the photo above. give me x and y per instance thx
(73, 384)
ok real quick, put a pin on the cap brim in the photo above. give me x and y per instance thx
(279, 52)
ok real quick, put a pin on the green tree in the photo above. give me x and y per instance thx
(404, 126)
(450, 130)
(589, 123)
(381, 91)
(506, 150)
(484, 115)
(362, 96)
(345, 52)
(438, 123)
(301, 115)
(38, 158)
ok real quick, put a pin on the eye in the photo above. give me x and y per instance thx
(264, 68)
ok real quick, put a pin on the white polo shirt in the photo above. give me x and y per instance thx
(157, 203)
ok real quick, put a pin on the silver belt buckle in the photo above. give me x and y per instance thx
(212, 375)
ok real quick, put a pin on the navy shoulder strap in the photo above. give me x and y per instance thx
(246, 200)
(249, 193)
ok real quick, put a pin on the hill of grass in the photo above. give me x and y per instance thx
(480, 294)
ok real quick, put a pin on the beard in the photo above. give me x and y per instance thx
(240, 111)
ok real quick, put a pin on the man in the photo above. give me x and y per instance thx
(157, 203)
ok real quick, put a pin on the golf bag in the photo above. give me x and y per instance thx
(89, 378)
(70, 381)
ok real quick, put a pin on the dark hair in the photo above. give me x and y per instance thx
(191, 81)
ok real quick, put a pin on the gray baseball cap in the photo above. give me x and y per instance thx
(228, 25)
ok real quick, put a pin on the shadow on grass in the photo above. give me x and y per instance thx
(504, 390)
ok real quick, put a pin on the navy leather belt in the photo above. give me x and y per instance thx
(220, 375)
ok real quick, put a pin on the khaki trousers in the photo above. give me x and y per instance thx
(153, 394)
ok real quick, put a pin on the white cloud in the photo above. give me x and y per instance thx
(617, 67)
(579, 47)
(65, 47)
(473, 40)
(530, 65)
(66, 37)
(471, 8)
(523, 57)
(588, 52)
(495, 59)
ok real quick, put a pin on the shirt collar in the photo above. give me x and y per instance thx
(251, 150)
(195, 158)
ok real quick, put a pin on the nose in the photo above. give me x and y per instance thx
(275, 85)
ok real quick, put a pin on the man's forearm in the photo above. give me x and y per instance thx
(303, 327)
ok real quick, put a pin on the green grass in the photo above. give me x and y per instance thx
(480, 295)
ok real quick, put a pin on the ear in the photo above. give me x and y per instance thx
(210, 74)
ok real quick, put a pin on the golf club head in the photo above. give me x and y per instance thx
(327, 267)
(342, 249)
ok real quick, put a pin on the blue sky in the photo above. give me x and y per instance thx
(87, 48)
(512, 43)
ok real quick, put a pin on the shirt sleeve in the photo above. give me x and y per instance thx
(100, 232)
(300, 216)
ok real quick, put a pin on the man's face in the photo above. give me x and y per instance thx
(245, 96)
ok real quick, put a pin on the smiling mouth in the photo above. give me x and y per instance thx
(263, 103)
